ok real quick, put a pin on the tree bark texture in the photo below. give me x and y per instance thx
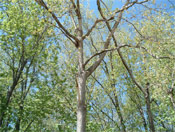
(81, 110)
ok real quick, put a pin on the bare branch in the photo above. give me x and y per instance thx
(128, 5)
(41, 2)
(154, 56)
(62, 27)
(74, 6)
(94, 25)
(77, 8)
(173, 5)
(63, 32)
(125, 7)
(90, 30)
(104, 4)
(105, 50)
(146, 50)
(129, 71)
(96, 64)
(141, 2)
(79, 27)
(28, 125)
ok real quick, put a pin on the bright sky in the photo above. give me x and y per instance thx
(118, 3)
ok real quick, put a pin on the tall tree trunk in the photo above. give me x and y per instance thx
(149, 112)
(81, 90)
(81, 110)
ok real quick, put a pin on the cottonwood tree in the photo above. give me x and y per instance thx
(78, 35)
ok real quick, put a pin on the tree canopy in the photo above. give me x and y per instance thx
(79, 65)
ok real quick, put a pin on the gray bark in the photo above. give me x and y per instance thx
(81, 110)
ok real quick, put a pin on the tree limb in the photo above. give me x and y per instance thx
(57, 21)
(105, 50)
(97, 63)
(94, 25)
(125, 7)
(128, 5)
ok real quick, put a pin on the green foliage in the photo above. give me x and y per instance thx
(44, 97)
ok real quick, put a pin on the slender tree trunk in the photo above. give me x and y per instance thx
(117, 106)
(170, 92)
(143, 118)
(81, 90)
(10, 92)
(149, 112)
(150, 116)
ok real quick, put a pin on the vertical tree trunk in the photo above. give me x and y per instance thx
(149, 112)
(123, 129)
(143, 118)
(81, 90)
(81, 110)
(150, 116)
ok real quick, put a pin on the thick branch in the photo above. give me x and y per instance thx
(96, 64)
(115, 42)
(62, 32)
(56, 19)
(74, 6)
(62, 27)
(78, 6)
